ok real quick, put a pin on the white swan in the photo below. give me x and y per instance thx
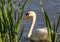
(38, 34)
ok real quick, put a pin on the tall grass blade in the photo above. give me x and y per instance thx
(47, 22)
(58, 23)
(23, 9)
(8, 27)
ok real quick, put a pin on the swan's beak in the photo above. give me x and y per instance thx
(27, 16)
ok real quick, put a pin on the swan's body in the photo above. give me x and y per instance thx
(38, 34)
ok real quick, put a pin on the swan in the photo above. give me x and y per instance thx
(38, 34)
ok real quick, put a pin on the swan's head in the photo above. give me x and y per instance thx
(29, 14)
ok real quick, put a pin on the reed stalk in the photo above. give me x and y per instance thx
(9, 26)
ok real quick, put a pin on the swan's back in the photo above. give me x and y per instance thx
(42, 30)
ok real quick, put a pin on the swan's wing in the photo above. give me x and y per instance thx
(39, 34)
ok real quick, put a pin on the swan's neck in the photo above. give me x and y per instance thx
(32, 25)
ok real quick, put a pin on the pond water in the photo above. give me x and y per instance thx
(52, 7)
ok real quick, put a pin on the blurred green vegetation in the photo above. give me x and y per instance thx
(10, 20)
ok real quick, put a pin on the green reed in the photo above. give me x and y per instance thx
(51, 35)
(9, 24)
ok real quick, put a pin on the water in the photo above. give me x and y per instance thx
(52, 7)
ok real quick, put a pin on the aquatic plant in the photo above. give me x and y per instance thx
(9, 20)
